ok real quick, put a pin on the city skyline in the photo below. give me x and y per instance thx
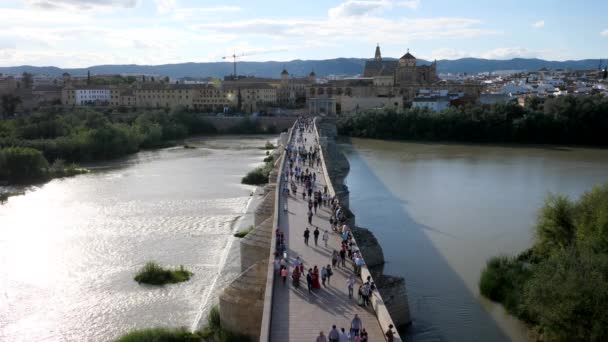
(81, 33)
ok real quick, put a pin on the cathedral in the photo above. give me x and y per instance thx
(404, 72)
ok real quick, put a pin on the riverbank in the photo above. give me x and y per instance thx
(569, 120)
(230, 267)
(175, 206)
(83, 135)
(559, 285)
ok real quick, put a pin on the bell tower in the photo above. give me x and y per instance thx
(378, 55)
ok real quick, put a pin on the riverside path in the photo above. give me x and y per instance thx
(296, 314)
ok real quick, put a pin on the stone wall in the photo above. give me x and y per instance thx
(393, 292)
(242, 302)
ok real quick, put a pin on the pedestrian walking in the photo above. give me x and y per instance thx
(306, 235)
(342, 257)
(329, 273)
(323, 275)
(390, 334)
(356, 325)
(351, 284)
(343, 337)
(310, 217)
(284, 274)
(334, 334)
(316, 234)
(325, 237)
(363, 335)
(334, 258)
(309, 280)
(321, 337)
(365, 292)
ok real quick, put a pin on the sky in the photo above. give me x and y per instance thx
(82, 33)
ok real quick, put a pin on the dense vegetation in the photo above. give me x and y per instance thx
(24, 164)
(84, 134)
(260, 175)
(31, 142)
(560, 285)
(153, 274)
(212, 332)
(243, 233)
(160, 335)
(562, 120)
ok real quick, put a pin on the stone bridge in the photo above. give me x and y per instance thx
(258, 304)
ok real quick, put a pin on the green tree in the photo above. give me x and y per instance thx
(27, 79)
(20, 164)
(592, 219)
(9, 104)
(555, 227)
(568, 294)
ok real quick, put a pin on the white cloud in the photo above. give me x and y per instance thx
(359, 8)
(413, 4)
(81, 4)
(165, 6)
(356, 8)
(539, 24)
(604, 33)
(511, 52)
(367, 29)
(196, 12)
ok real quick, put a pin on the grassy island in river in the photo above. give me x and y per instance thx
(153, 274)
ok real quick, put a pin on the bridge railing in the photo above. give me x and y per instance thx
(382, 314)
(269, 291)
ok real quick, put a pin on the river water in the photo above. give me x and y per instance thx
(440, 211)
(69, 249)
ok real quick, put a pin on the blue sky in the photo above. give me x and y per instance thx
(80, 33)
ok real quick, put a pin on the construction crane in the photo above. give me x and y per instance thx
(234, 57)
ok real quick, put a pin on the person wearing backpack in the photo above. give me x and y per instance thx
(334, 335)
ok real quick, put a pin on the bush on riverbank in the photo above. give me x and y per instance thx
(213, 332)
(243, 233)
(269, 146)
(24, 164)
(153, 274)
(5, 195)
(160, 335)
(261, 174)
(84, 134)
(560, 120)
(560, 285)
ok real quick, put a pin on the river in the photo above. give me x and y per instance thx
(440, 211)
(69, 248)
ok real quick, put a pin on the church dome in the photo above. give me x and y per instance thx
(284, 72)
(312, 74)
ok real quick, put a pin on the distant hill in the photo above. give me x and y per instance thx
(337, 66)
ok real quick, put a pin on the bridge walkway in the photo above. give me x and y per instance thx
(296, 314)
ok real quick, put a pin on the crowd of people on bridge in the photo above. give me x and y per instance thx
(303, 161)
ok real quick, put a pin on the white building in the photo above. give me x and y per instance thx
(91, 96)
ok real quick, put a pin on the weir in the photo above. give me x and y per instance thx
(260, 305)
